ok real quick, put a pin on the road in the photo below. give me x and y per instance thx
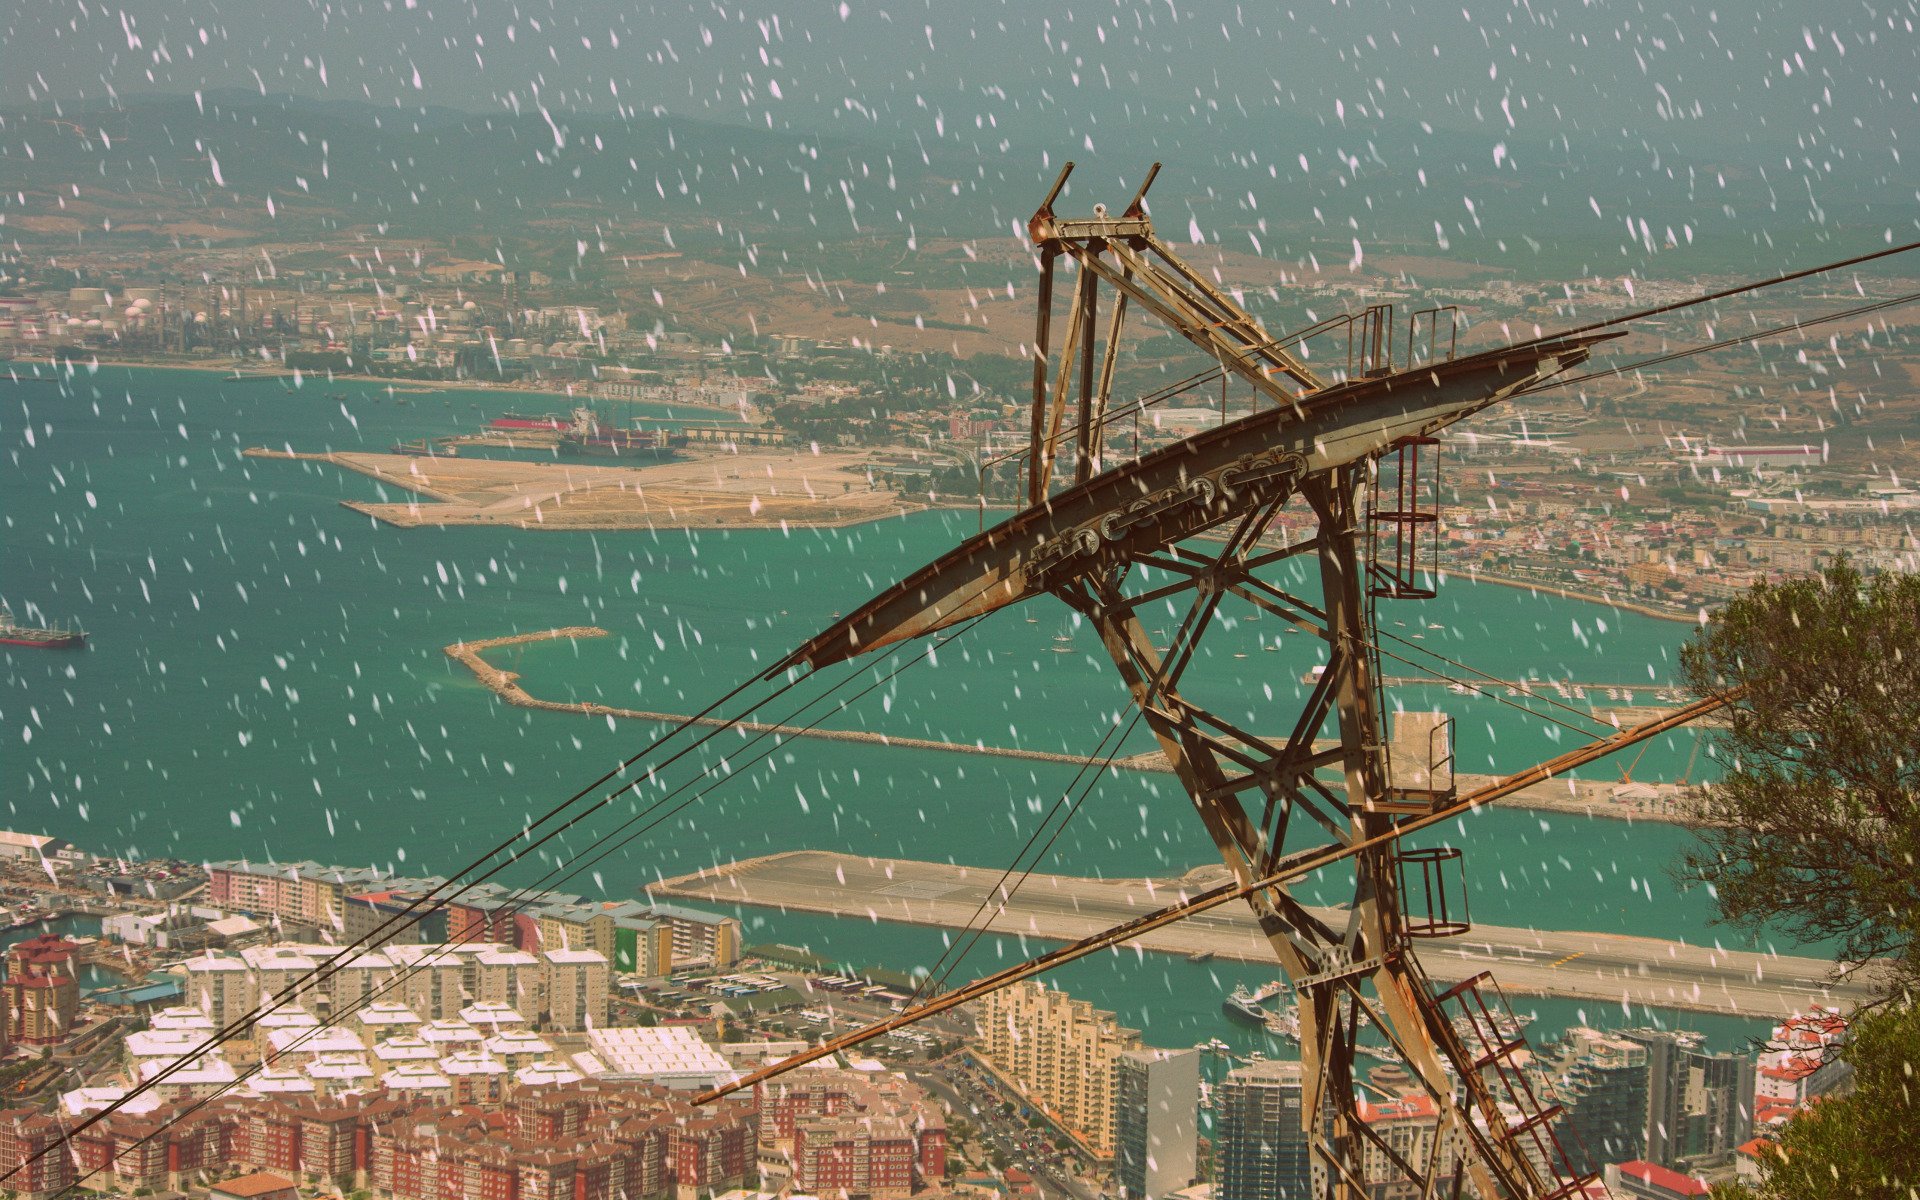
(1018, 1142)
(1579, 965)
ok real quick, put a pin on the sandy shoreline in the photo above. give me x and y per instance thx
(1664, 614)
(410, 386)
(413, 385)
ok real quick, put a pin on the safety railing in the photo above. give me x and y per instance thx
(1430, 906)
(1415, 356)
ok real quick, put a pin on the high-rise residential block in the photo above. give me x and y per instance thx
(1699, 1103)
(1156, 1100)
(1058, 1052)
(1601, 1083)
(1261, 1150)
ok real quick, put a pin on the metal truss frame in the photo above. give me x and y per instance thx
(1248, 787)
(1112, 540)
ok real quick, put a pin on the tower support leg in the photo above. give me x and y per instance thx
(1330, 967)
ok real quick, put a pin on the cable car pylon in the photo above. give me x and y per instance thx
(1190, 524)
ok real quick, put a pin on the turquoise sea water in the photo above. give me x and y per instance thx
(266, 679)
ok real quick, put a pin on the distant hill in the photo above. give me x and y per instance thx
(559, 179)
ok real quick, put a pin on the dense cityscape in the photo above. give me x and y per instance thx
(422, 1042)
(1404, 524)
(1673, 516)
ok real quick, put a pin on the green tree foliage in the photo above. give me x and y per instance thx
(1815, 828)
(1862, 1145)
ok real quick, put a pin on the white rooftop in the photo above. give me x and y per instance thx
(283, 958)
(588, 957)
(545, 1072)
(182, 1016)
(405, 1049)
(271, 1082)
(210, 963)
(387, 1014)
(208, 1069)
(291, 1016)
(589, 1064)
(234, 926)
(450, 954)
(81, 1101)
(416, 1077)
(500, 956)
(324, 1039)
(517, 1041)
(671, 1054)
(490, 1013)
(339, 1066)
(472, 1062)
(164, 1043)
(449, 1032)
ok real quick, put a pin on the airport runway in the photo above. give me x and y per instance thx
(1592, 966)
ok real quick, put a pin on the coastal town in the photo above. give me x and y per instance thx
(1666, 493)
(1463, 513)
(398, 1032)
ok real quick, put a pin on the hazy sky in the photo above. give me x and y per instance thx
(1786, 76)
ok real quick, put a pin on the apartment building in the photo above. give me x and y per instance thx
(697, 936)
(27, 1142)
(1260, 1145)
(574, 1141)
(1156, 1102)
(435, 982)
(855, 1133)
(309, 893)
(1601, 1082)
(1058, 1052)
(42, 991)
(575, 988)
(1699, 1102)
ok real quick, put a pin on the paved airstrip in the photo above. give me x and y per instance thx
(1595, 966)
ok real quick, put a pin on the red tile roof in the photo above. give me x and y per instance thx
(1404, 1107)
(1659, 1176)
(260, 1183)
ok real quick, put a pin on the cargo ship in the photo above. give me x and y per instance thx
(549, 421)
(586, 436)
(12, 633)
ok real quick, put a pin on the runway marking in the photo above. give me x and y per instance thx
(917, 889)
(1569, 958)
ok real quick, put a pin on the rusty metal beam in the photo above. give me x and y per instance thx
(1091, 435)
(1068, 536)
(1042, 329)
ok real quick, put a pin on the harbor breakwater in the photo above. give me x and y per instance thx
(1648, 801)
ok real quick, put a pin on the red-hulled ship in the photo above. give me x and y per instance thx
(12, 633)
(585, 435)
(549, 421)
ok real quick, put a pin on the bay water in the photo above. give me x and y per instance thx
(265, 679)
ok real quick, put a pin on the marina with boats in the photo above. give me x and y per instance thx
(1252, 1006)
